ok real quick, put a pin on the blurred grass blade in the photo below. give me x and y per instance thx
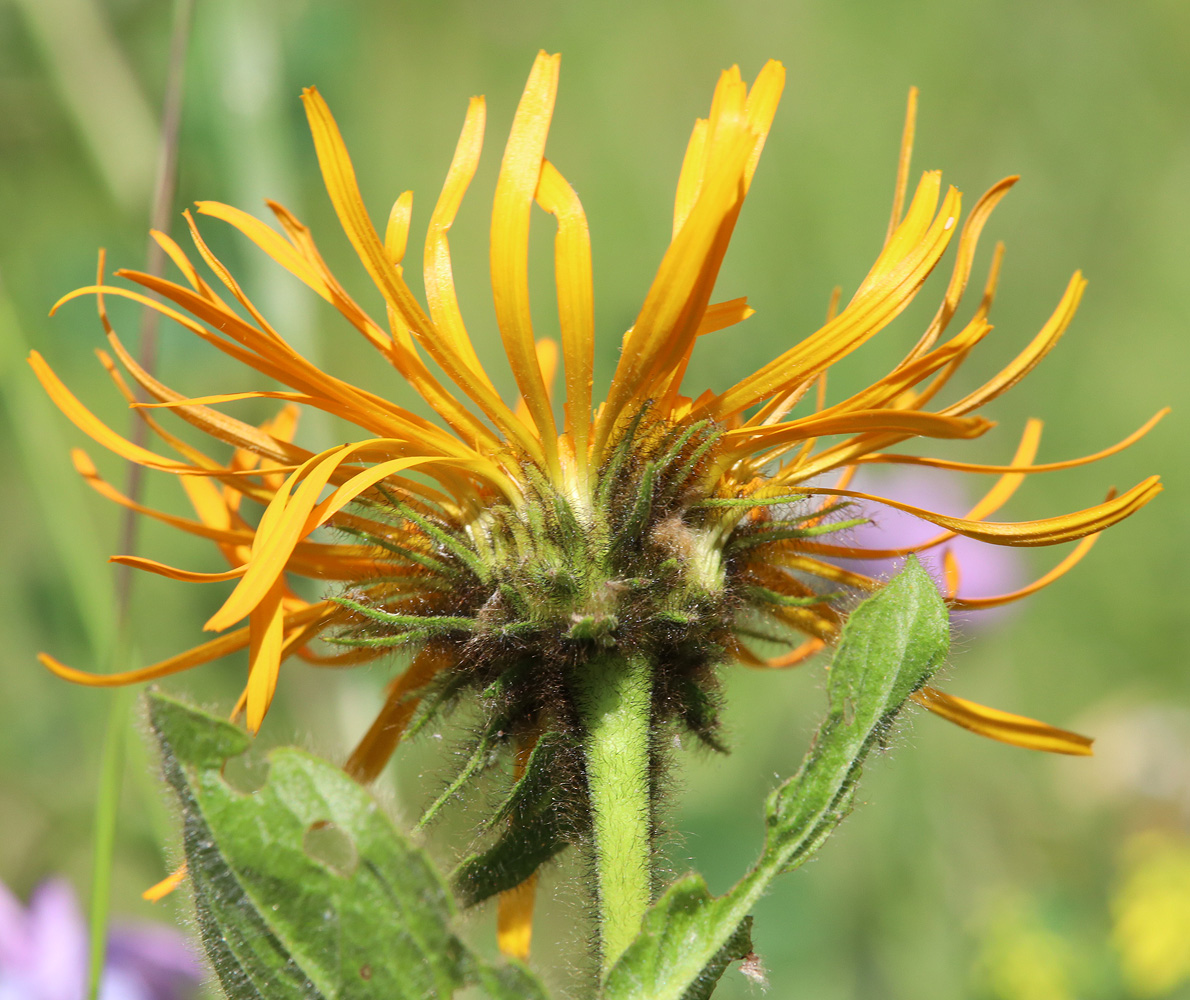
(111, 772)
(99, 89)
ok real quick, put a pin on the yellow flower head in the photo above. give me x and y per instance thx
(506, 541)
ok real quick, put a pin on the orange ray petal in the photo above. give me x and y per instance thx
(576, 301)
(1031, 356)
(903, 162)
(893, 281)
(208, 651)
(796, 656)
(438, 272)
(1019, 730)
(514, 919)
(266, 631)
(982, 603)
(749, 439)
(1045, 531)
(339, 177)
(721, 315)
(367, 760)
(941, 463)
(187, 576)
(520, 170)
(547, 361)
(157, 892)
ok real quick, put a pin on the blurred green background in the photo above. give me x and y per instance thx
(970, 869)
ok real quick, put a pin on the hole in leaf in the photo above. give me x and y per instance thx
(246, 772)
(327, 844)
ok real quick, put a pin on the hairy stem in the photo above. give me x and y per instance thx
(613, 694)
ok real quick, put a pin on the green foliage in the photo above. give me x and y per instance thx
(533, 834)
(304, 888)
(891, 645)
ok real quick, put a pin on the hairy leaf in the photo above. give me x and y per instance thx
(304, 888)
(890, 646)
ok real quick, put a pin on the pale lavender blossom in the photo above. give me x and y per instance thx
(43, 953)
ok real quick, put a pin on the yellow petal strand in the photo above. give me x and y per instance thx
(288, 519)
(721, 315)
(438, 271)
(396, 233)
(690, 177)
(91, 425)
(777, 407)
(514, 907)
(266, 631)
(964, 259)
(339, 177)
(733, 102)
(760, 110)
(659, 340)
(178, 445)
(86, 468)
(181, 261)
(942, 463)
(357, 485)
(398, 349)
(366, 409)
(547, 361)
(825, 570)
(367, 760)
(516, 186)
(795, 656)
(208, 651)
(681, 290)
(258, 441)
(157, 892)
(1046, 531)
(903, 162)
(1031, 356)
(1019, 730)
(748, 439)
(982, 603)
(952, 572)
(275, 537)
(514, 919)
(226, 397)
(814, 622)
(576, 302)
(188, 576)
(1000, 493)
(233, 286)
(270, 241)
(887, 290)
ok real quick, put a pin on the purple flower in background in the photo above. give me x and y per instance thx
(985, 570)
(43, 953)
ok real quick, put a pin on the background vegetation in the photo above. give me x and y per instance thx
(972, 869)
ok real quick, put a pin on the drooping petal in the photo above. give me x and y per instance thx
(1045, 531)
(1019, 730)
(367, 760)
(208, 651)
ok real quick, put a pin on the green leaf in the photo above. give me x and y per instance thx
(304, 888)
(536, 831)
(890, 646)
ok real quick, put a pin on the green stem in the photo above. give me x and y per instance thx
(613, 694)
